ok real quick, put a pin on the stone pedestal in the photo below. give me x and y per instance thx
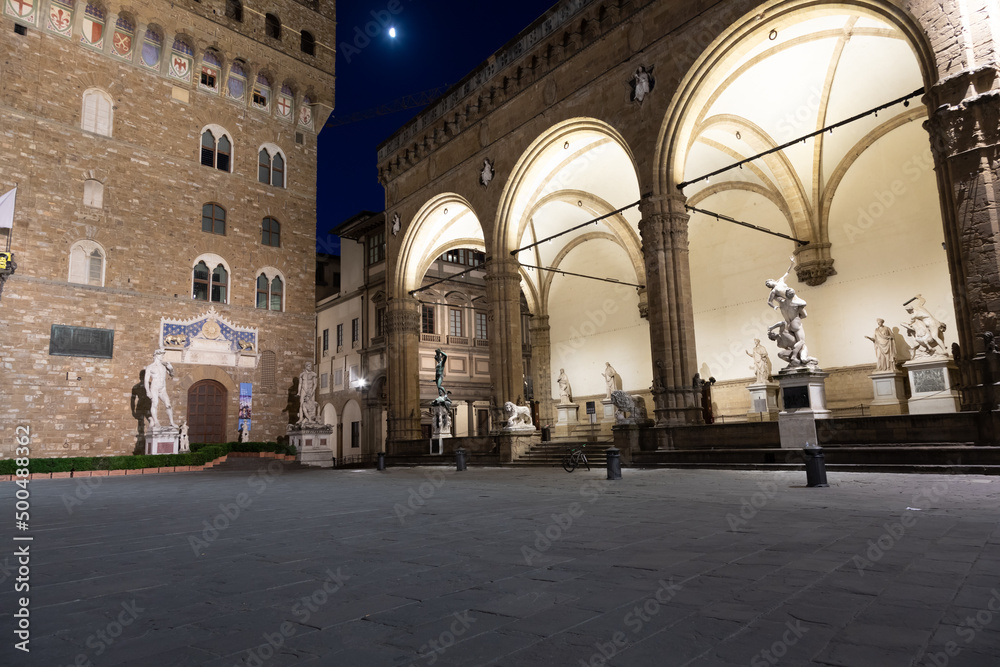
(609, 410)
(163, 440)
(932, 386)
(514, 444)
(803, 395)
(312, 446)
(889, 388)
(568, 413)
(763, 402)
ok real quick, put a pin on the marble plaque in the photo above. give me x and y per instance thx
(795, 397)
(928, 380)
(68, 341)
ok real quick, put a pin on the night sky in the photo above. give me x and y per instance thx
(438, 42)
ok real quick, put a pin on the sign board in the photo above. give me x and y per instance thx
(591, 407)
(795, 397)
(67, 341)
(6, 262)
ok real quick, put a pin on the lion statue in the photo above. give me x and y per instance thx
(628, 407)
(519, 417)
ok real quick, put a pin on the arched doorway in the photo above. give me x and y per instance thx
(206, 418)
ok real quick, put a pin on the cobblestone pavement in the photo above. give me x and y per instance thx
(491, 566)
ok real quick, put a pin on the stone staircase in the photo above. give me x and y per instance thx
(552, 453)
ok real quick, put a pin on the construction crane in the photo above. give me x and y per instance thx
(420, 99)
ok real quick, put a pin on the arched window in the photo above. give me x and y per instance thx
(86, 263)
(98, 112)
(272, 26)
(261, 94)
(270, 233)
(234, 10)
(271, 170)
(213, 219)
(211, 69)
(308, 44)
(210, 284)
(216, 152)
(270, 290)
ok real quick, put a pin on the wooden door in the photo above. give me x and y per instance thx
(207, 412)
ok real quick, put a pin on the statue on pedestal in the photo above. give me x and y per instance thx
(307, 391)
(610, 379)
(885, 347)
(789, 334)
(156, 388)
(565, 391)
(439, 358)
(761, 362)
(926, 330)
(185, 443)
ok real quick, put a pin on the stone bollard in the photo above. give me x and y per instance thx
(459, 459)
(381, 460)
(614, 463)
(815, 467)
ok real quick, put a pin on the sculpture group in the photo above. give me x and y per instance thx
(789, 333)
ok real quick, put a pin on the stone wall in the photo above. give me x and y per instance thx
(149, 222)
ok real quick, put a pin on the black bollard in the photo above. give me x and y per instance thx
(381, 460)
(815, 467)
(614, 463)
(459, 459)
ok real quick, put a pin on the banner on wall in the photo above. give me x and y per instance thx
(246, 405)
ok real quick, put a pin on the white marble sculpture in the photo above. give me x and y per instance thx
(396, 223)
(789, 334)
(185, 443)
(628, 408)
(244, 434)
(610, 379)
(761, 362)
(486, 175)
(156, 387)
(518, 417)
(925, 330)
(565, 390)
(642, 83)
(440, 419)
(307, 396)
(885, 347)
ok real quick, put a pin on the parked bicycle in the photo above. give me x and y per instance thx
(575, 457)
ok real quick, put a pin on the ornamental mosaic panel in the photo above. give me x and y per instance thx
(284, 103)
(208, 339)
(25, 11)
(123, 39)
(236, 86)
(93, 27)
(305, 113)
(181, 59)
(61, 18)
(152, 46)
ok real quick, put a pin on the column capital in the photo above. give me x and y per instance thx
(402, 315)
(965, 112)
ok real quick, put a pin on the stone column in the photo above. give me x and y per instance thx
(402, 324)
(664, 230)
(541, 367)
(964, 128)
(503, 293)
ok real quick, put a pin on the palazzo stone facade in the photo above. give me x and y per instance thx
(145, 139)
(605, 104)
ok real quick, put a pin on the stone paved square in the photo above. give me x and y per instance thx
(509, 566)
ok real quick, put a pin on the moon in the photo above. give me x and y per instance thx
(392, 32)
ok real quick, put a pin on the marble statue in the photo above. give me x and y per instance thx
(628, 408)
(486, 175)
(926, 330)
(396, 223)
(244, 434)
(519, 416)
(185, 443)
(885, 347)
(156, 387)
(307, 395)
(642, 83)
(565, 391)
(789, 334)
(439, 358)
(761, 362)
(610, 379)
(440, 418)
